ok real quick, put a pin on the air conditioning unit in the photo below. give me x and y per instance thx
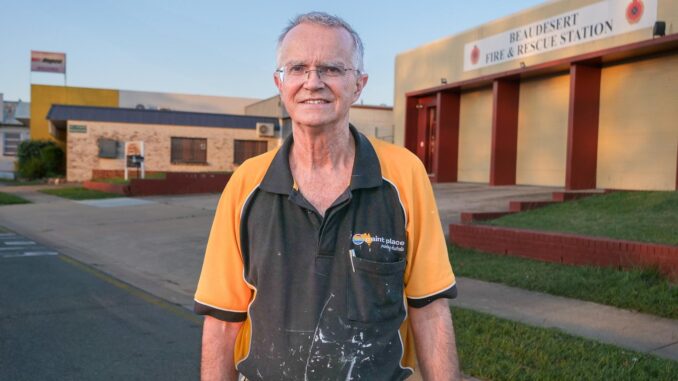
(265, 129)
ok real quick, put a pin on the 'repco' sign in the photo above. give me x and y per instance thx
(593, 22)
(49, 62)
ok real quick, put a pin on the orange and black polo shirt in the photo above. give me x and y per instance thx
(325, 298)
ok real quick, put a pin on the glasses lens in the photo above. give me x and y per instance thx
(302, 72)
(331, 71)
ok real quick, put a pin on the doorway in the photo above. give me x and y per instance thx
(427, 132)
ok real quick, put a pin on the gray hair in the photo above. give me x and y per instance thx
(327, 20)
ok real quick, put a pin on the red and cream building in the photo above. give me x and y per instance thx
(577, 94)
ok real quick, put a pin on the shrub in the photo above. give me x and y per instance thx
(40, 158)
(53, 158)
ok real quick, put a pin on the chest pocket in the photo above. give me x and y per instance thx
(374, 289)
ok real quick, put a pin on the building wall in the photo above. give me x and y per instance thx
(44, 96)
(82, 148)
(373, 121)
(185, 102)
(638, 130)
(268, 107)
(7, 162)
(542, 131)
(475, 136)
(444, 58)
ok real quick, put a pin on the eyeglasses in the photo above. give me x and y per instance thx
(300, 73)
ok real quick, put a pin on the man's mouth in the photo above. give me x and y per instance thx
(315, 101)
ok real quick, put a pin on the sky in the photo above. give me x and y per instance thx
(211, 47)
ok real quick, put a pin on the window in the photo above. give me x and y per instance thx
(108, 148)
(189, 151)
(244, 149)
(10, 143)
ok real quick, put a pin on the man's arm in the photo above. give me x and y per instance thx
(218, 340)
(434, 341)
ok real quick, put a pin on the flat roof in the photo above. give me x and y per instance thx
(63, 113)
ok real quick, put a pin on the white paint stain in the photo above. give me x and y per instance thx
(350, 370)
(315, 334)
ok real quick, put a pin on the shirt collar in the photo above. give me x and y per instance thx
(366, 167)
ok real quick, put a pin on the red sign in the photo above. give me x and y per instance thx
(634, 11)
(475, 55)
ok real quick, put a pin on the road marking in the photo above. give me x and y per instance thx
(19, 243)
(7, 235)
(13, 248)
(31, 254)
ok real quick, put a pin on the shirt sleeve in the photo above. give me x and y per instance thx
(428, 275)
(222, 291)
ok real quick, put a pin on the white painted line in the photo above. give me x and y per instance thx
(31, 254)
(19, 243)
(14, 248)
(7, 234)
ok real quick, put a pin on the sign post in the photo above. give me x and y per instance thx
(134, 158)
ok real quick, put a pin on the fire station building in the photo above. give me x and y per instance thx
(578, 94)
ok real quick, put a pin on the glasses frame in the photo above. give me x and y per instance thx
(319, 71)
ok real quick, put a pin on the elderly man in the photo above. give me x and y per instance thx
(326, 259)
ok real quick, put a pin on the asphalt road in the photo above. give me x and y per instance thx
(62, 320)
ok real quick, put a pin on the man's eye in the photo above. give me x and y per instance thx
(332, 70)
(296, 69)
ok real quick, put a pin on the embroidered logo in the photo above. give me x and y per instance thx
(359, 239)
(384, 243)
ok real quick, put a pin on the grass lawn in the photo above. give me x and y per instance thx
(641, 290)
(10, 199)
(497, 349)
(122, 181)
(634, 216)
(78, 193)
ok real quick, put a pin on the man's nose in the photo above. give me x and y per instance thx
(313, 79)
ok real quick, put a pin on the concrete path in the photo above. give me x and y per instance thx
(455, 198)
(627, 329)
(157, 244)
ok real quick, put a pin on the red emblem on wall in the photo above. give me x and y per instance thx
(634, 11)
(475, 55)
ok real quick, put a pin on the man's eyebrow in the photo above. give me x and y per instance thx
(324, 63)
(295, 63)
(333, 63)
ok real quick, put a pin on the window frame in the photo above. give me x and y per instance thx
(239, 157)
(192, 142)
(5, 145)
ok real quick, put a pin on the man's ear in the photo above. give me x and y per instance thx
(361, 82)
(278, 82)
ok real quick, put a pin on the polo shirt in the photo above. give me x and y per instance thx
(325, 297)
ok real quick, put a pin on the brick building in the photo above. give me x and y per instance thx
(173, 141)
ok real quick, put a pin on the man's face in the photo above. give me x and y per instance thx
(311, 100)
